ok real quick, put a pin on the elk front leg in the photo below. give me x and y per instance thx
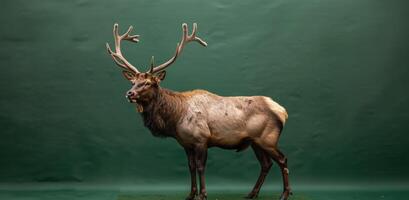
(192, 168)
(265, 164)
(201, 158)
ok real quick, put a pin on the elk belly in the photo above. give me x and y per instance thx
(237, 137)
(232, 141)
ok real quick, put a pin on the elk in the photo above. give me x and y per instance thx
(199, 119)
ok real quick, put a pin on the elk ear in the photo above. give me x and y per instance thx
(161, 75)
(128, 75)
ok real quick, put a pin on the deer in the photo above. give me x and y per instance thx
(199, 119)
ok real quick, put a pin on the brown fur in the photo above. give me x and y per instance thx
(165, 108)
(163, 111)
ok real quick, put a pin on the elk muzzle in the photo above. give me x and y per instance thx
(131, 96)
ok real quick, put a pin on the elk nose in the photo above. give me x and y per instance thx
(130, 94)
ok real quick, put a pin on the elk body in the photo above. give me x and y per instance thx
(199, 119)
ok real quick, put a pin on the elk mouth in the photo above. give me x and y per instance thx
(131, 99)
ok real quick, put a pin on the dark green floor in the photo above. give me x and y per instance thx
(108, 194)
(306, 195)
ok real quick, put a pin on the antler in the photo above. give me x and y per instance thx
(117, 55)
(186, 38)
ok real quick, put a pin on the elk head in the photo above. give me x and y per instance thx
(146, 84)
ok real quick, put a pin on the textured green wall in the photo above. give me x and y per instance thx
(339, 67)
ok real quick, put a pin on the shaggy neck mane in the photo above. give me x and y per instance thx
(163, 112)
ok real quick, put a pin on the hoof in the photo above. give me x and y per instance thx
(251, 195)
(202, 197)
(285, 195)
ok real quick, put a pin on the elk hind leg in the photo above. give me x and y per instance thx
(268, 142)
(281, 160)
(265, 163)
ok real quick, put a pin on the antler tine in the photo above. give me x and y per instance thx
(117, 55)
(186, 38)
(152, 65)
(203, 43)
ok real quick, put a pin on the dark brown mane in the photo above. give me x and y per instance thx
(163, 113)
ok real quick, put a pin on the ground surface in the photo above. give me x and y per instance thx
(107, 194)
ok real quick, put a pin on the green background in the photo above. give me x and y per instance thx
(340, 68)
